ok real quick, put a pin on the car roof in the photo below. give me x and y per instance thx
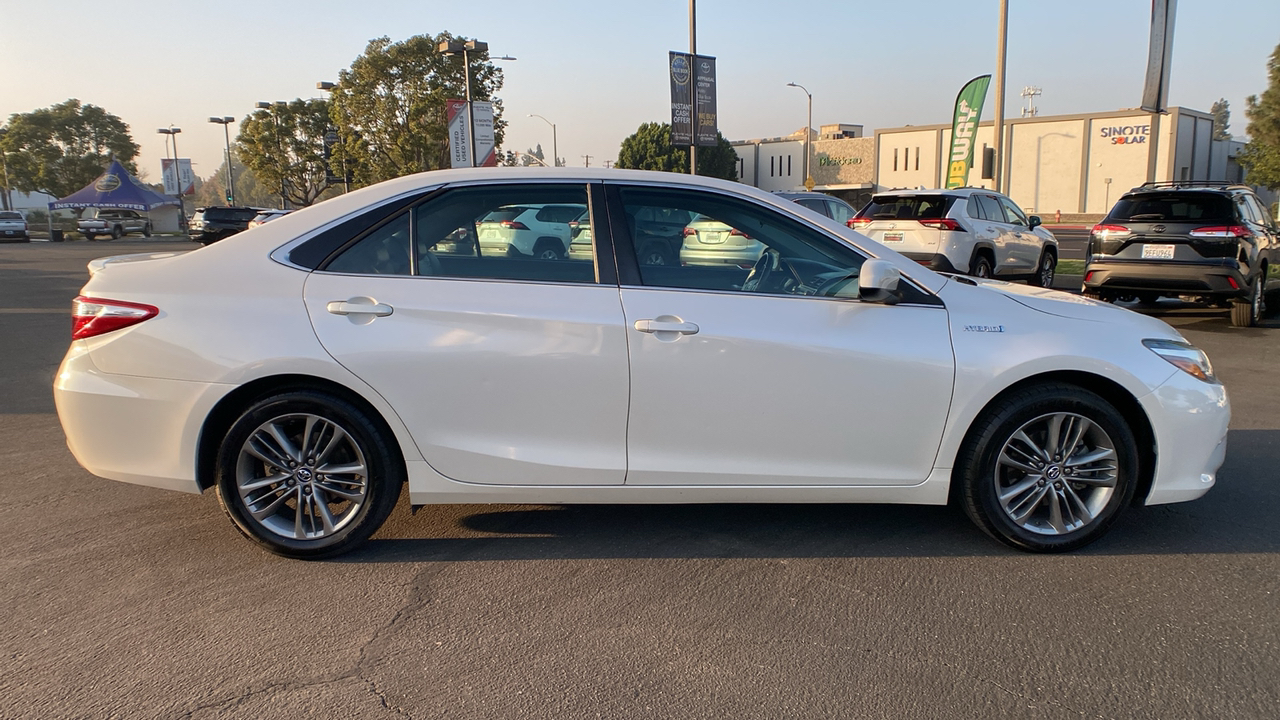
(957, 192)
(1190, 186)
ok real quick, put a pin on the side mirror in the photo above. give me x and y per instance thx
(1034, 220)
(878, 282)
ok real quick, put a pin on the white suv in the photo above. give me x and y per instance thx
(973, 231)
(540, 231)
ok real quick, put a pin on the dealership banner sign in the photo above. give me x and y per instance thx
(964, 126)
(459, 133)
(482, 127)
(693, 99)
(178, 179)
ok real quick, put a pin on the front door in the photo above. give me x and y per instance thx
(506, 370)
(778, 375)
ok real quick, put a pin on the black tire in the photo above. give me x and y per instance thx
(981, 266)
(979, 473)
(1249, 312)
(1045, 269)
(146, 230)
(655, 253)
(116, 233)
(90, 237)
(346, 521)
(548, 249)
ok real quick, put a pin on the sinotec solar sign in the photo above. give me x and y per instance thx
(1126, 134)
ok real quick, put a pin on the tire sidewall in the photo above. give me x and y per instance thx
(979, 484)
(385, 472)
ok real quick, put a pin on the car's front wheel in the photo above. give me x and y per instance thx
(116, 233)
(1045, 271)
(1047, 468)
(307, 475)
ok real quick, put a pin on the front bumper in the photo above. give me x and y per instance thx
(1189, 418)
(1171, 278)
(132, 429)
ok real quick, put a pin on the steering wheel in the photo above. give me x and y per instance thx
(770, 261)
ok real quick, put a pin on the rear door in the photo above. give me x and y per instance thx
(1024, 250)
(507, 371)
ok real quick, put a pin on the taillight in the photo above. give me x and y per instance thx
(690, 232)
(1111, 231)
(1221, 232)
(514, 225)
(859, 221)
(95, 316)
(941, 224)
(739, 233)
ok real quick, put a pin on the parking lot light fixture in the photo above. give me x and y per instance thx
(555, 156)
(225, 122)
(451, 48)
(808, 130)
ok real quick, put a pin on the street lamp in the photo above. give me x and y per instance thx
(808, 130)
(555, 156)
(346, 177)
(172, 132)
(270, 108)
(451, 48)
(225, 122)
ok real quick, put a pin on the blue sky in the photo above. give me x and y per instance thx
(597, 68)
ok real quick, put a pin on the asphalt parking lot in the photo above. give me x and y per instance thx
(125, 601)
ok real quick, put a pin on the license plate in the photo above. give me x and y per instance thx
(892, 237)
(1157, 252)
(712, 237)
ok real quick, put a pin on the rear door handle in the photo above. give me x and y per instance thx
(663, 325)
(359, 306)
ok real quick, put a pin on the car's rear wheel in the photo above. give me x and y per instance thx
(146, 230)
(90, 237)
(1249, 312)
(1047, 468)
(116, 232)
(655, 253)
(548, 249)
(981, 266)
(307, 475)
(1045, 271)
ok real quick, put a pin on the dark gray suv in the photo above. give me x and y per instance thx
(1202, 240)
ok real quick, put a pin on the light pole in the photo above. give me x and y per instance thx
(1003, 45)
(808, 130)
(270, 108)
(4, 160)
(225, 122)
(451, 48)
(172, 132)
(346, 177)
(555, 157)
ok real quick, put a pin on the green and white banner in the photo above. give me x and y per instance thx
(964, 125)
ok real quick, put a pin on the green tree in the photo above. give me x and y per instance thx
(389, 107)
(650, 148)
(1221, 112)
(60, 149)
(1261, 157)
(284, 147)
(249, 192)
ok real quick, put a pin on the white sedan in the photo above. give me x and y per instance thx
(307, 368)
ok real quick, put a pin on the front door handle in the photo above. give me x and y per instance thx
(359, 306)
(666, 324)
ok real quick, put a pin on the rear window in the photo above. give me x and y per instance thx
(10, 216)
(224, 214)
(907, 207)
(506, 214)
(1173, 207)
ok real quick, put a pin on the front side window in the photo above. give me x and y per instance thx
(991, 209)
(506, 232)
(1013, 214)
(738, 246)
(840, 212)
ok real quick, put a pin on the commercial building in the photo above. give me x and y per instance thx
(1069, 164)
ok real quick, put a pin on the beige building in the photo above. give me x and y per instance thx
(1073, 164)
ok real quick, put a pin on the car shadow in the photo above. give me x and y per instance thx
(1235, 517)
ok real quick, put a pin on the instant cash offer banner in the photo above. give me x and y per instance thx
(964, 125)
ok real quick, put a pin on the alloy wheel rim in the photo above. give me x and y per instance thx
(1046, 271)
(1056, 474)
(301, 476)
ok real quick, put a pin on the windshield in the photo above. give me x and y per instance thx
(1173, 207)
(907, 207)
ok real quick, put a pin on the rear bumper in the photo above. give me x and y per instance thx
(132, 429)
(934, 261)
(1173, 278)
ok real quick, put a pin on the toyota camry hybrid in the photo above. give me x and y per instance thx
(308, 368)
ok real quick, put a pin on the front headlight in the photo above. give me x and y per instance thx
(1184, 356)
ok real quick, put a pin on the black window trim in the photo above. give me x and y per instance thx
(629, 264)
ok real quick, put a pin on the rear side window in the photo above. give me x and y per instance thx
(840, 212)
(908, 207)
(1173, 207)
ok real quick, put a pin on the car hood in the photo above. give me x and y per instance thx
(1075, 307)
